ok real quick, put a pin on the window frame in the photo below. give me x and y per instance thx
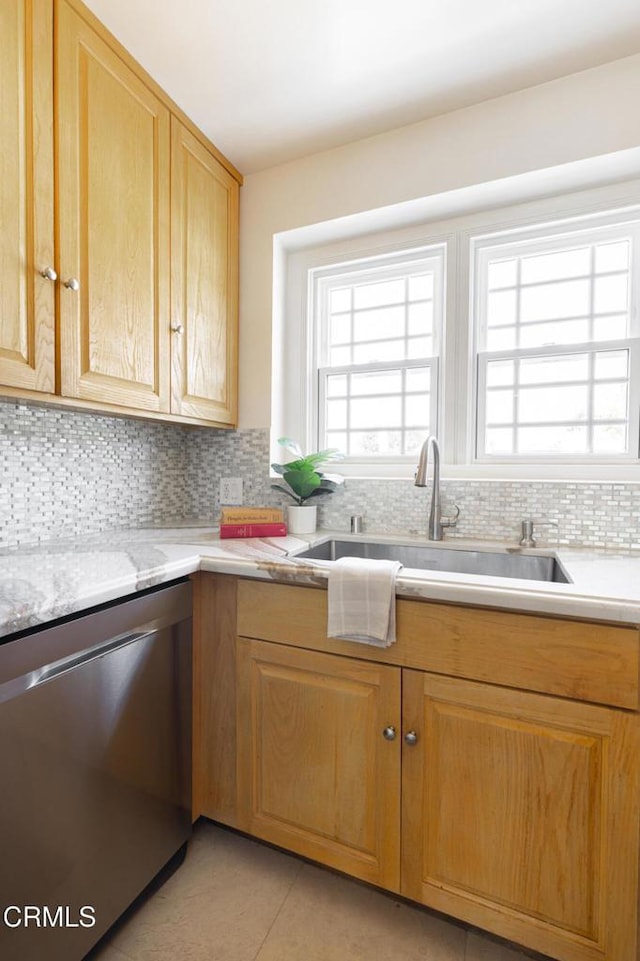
(541, 239)
(376, 268)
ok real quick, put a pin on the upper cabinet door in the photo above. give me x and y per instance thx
(204, 257)
(27, 298)
(114, 194)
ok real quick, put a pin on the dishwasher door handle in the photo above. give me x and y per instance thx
(26, 682)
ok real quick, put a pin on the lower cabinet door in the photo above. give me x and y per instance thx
(316, 773)
(520, 815)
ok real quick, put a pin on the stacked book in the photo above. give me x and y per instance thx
(252, 522)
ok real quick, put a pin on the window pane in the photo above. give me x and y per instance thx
(421, 287)
(339, 356)
(418, 379)
(336, 414)
(501, 338)
(340, 299)
(610, 401)
(420, 318)
(610, 439)
(419, 347)
(501, 307)
(384, 442)
(376, 324)
(610, 328)
(499, 440)
(502, 273)
(555, 266)
(614, 256)
(500, 407)
(610, 294)
(377, 382)
(540, 370)
(379, 351)
(552, 440)
(417, 410)
(338, 439)
(382, 412)
(378, 294)
(611, 363)
(559, 332)
(414, 439)
(340, 329)
(337, 385)
(500, 373)
(550, 301)
(544, 404)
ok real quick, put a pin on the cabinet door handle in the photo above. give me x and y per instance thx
(411, 738)
(178, 329)
(48, 273)
(389, 733)
(72, 284)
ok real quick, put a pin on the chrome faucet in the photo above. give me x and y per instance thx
(436, 520)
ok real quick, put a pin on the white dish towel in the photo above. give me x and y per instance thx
(362, 600)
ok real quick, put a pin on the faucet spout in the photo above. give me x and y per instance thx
(436, 521)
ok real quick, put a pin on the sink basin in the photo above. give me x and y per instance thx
(534, 567)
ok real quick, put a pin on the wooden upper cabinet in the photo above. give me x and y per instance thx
(27, 299)
(114, 195)
(108, 199)
(204, 276)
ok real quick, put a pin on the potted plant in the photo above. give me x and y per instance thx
(304, 481)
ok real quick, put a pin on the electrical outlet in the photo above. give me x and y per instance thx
(231, 490)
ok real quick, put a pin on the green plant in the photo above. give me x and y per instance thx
(302, 476)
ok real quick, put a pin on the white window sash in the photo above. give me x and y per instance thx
(325, 372)
(542, 239)
(632, 345)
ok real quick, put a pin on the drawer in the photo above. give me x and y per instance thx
(583, 660)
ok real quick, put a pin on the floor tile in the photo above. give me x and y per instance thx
(330, 918)
(218, 906)
(107, 953)
(485, 948)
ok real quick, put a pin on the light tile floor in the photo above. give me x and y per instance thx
(235, 899)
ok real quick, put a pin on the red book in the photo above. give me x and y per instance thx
(253, 530)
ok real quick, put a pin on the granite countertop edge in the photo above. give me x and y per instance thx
(44, 582)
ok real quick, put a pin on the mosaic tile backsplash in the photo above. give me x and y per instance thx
(66, 473)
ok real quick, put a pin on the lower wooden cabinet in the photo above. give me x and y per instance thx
(515, 811)
(520, 815)
(315, 773)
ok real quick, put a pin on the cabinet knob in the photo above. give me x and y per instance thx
(48, 273)
(177, 328)
(72, 284)
(389, 733)
(411, 738)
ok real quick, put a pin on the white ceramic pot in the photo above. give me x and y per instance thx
(302, 520)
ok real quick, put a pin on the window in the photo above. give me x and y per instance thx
(378, 339)
(513, 334)
(556, 327)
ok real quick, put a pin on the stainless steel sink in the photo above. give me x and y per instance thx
(533, 567)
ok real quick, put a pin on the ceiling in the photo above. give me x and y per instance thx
(272, 81)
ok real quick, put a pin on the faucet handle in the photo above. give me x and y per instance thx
(451, 521)
(527, 539)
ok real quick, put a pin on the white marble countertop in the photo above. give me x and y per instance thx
(49, 580)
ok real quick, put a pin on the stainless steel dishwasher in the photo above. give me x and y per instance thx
(95, 789)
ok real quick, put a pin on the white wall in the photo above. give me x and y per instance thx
(586, 115)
